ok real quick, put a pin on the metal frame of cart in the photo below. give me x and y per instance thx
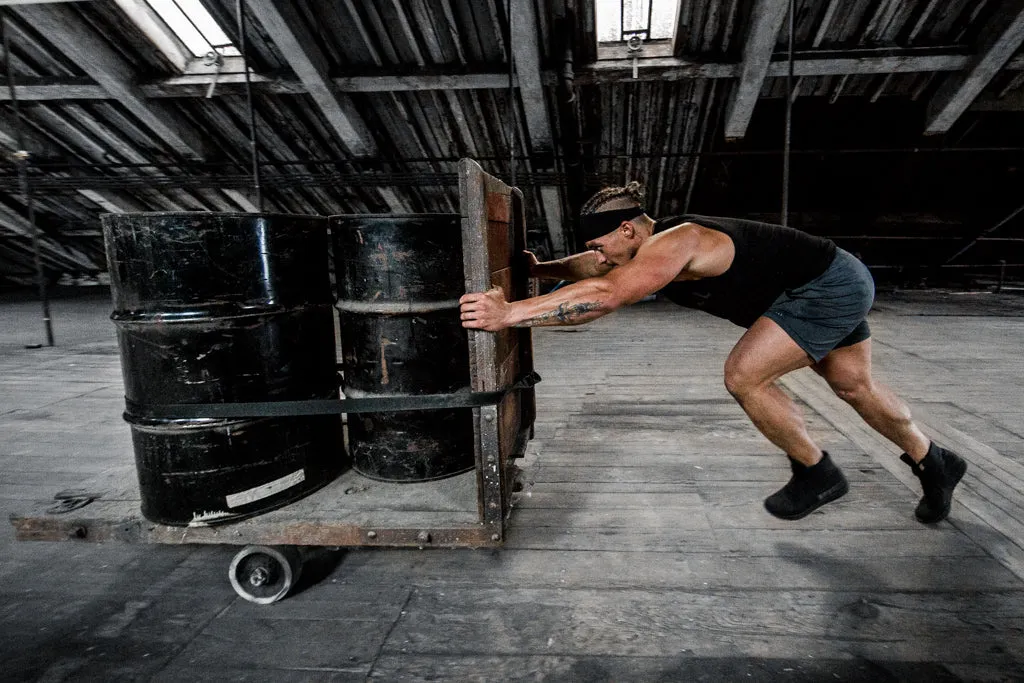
(468, 510)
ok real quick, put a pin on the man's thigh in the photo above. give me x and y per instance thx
(764, 353)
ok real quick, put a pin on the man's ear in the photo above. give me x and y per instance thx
(628, 229)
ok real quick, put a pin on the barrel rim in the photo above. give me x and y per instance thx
(192, 312)
(390, 307)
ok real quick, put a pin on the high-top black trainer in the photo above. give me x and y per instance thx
(939, 473)
(808, 489)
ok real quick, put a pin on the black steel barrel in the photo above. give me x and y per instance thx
(223, 308)
(399, 280)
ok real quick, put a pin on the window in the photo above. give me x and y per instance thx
(194, 27)
(619, 20)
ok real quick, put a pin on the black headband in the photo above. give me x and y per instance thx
(594, 225)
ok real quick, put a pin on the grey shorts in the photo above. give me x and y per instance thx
(828, 312)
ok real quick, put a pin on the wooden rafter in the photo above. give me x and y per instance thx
(294, 40)
(80, 43)
(766, 19)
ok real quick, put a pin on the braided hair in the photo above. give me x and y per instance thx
(630, 195)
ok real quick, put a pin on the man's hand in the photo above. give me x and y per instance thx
(530, 259)
(485, 310)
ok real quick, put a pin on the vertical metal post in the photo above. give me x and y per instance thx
(22, 160)
(511, 101)
(1002, 274)
(253, 146)
(572, 155)
(789, 119)
(695, 164)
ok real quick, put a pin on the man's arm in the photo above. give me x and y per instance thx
(576, 267)
(654, 266)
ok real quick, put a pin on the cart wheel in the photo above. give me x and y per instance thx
(264, 574)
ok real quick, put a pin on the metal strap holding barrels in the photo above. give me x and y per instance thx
(380, 404)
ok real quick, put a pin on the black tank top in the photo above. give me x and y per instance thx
(769, 260)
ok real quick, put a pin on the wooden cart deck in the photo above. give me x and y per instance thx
(353, 510)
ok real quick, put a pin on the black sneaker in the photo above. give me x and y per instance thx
(808, 489)
(939, 473)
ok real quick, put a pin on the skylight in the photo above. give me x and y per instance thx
(194, 26)
(617, 20)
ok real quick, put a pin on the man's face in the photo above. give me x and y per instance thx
(616, 248)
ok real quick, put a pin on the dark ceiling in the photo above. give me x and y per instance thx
(906, 120)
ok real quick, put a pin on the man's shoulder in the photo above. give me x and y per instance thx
(669, 222)
(682, 237)
(673, 222)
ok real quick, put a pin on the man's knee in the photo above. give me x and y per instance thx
(732, 386)
(853, 390)
(738, 382)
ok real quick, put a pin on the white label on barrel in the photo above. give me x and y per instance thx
(265, 490)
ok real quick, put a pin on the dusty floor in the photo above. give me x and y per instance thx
(638, 551)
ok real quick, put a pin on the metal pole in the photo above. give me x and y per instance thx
(253, 146)
(695, 166)
(22, 159)
(789, 120)
(572, 156)
(511, 101)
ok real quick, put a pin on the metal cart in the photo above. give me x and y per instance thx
(467, 510)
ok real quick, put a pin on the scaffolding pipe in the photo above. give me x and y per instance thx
(22, 160)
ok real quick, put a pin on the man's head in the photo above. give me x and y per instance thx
(614, 224)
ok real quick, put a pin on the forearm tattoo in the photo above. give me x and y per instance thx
(566, 314)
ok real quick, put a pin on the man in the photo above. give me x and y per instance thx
(802, 300)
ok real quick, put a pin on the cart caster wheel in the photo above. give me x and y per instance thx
(264, 574)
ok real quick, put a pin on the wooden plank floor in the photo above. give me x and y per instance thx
(638, 549)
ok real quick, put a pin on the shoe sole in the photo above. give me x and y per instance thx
(834, 493)
(961, 470)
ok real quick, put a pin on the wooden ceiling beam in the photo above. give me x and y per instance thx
(605, 71)
(765, 21)
(299, 48)
(63, 27)
(998, 42)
